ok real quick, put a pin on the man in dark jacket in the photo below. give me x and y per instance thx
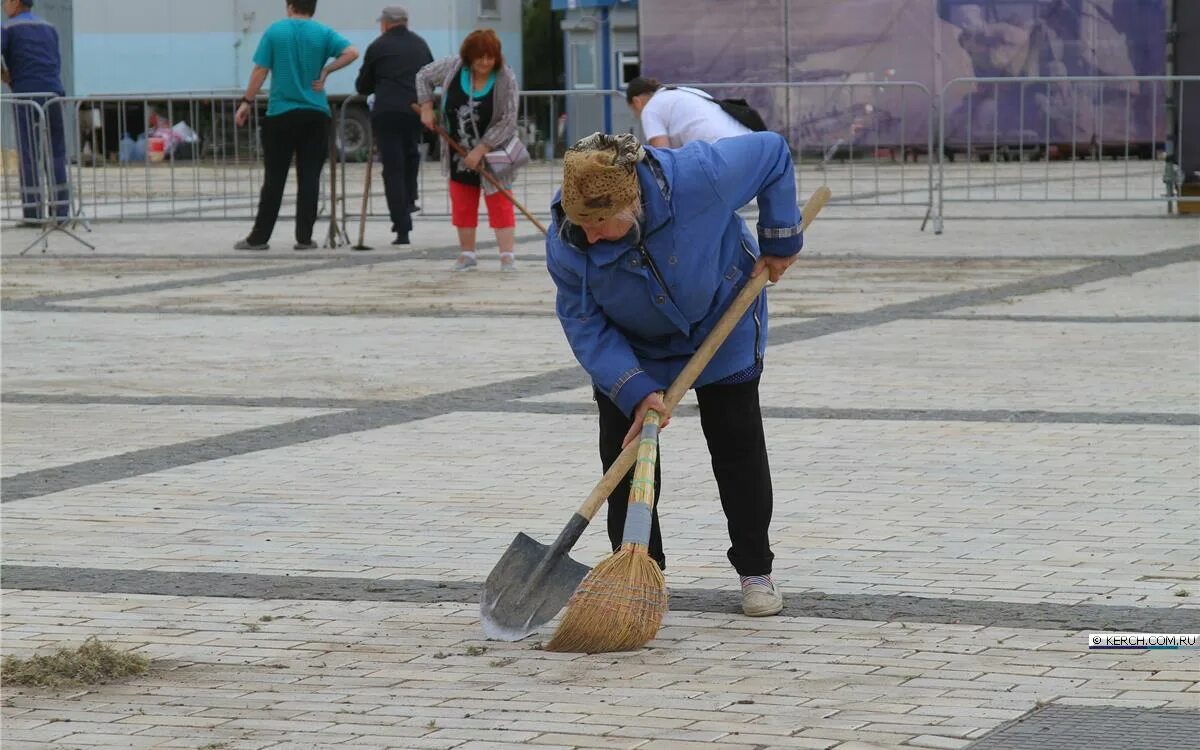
(389, 71)
(32, 65)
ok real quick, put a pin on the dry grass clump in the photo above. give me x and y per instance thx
(93, 663)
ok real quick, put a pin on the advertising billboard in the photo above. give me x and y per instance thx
(864, 45)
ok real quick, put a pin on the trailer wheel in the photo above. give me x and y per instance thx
(355, 135)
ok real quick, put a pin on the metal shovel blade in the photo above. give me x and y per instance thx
(530, 584)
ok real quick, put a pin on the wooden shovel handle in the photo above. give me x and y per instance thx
(486, 174)
(366, 198)
(696, 364)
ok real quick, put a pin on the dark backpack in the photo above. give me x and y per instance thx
(738, 109)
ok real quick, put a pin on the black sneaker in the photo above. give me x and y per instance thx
(248, 245)
(401, 239)
(310, 245)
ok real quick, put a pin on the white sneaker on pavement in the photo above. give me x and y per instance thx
(466, 262)
(760, 596)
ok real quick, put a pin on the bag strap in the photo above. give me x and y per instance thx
(726, 106)
(693, 92)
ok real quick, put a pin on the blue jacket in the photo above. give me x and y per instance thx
(30, 49)
(634, 313)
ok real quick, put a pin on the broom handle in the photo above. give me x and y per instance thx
(332, 238)
(487, 175)
(639, 513)
(362, 217)
(696, 365)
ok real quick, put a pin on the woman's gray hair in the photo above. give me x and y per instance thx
(633, 214)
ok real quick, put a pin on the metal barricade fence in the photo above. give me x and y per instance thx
(35, 179)
(177, 156)
(856, 137)
(35, 147)
(24, 165)
(990, 130)
(864, 139)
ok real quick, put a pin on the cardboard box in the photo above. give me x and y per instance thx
(1189, 190)
(11, 162)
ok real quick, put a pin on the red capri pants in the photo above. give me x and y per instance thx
(464, 207)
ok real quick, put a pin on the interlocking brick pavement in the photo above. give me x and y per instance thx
(984, 445)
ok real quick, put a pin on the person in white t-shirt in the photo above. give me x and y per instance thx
(672, 116)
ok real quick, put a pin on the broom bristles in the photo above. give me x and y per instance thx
(619, 606)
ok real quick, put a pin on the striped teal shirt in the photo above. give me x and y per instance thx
(295, 50)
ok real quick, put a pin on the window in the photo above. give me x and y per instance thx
(629, 66)
(583, 64)
(489, 8)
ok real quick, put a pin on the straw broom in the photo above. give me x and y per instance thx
(621, 603)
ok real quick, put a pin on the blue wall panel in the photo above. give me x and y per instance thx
(138, 63)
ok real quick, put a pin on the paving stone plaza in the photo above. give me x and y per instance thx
(283, 477)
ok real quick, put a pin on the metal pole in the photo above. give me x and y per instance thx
(939, 111)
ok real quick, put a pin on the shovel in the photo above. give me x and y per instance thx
(532, 581)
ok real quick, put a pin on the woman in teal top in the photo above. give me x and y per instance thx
(293, 52)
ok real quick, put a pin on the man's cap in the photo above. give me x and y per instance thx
(394, 14)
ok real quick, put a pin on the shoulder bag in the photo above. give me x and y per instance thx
(506, 160)
(738, 109)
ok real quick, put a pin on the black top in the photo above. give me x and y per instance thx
(389, 69)
(467, 118)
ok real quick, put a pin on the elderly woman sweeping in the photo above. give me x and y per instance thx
(647, 251)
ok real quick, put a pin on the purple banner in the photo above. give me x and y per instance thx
(865, 43)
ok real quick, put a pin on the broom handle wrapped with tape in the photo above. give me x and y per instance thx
(696, 365)
(640, 511)
(620, 603)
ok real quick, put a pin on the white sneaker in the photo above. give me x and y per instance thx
(465, 263)
(760, 596)
(508, 263)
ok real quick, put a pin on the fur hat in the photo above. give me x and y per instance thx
(600, 177)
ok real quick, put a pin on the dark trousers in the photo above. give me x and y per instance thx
(398, 134)
(731, 418)
(302, 134)
(33, 166)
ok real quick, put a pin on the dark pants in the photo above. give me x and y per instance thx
(304, 135)
(732, 422)
(398, 134)
(33, 168)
